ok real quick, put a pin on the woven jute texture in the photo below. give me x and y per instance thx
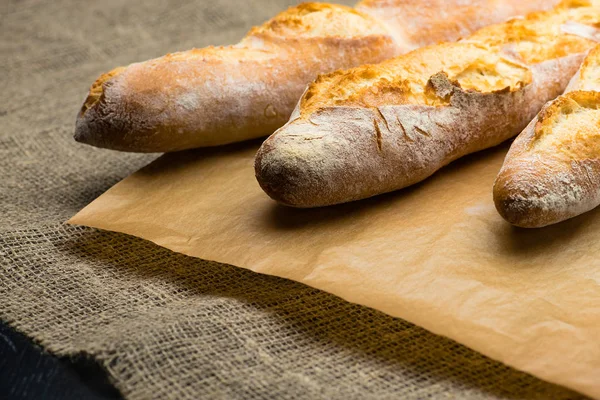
(165, 325)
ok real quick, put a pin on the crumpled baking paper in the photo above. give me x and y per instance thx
(436, 254)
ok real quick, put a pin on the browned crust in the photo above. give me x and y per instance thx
(236, 93)
(219, 95)
(406, 79)
(513, 205)
(542, 181)
(97, 89)
(417, 22)
(563, 105)
(294, 20)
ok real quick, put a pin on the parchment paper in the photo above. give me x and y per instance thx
(436, 254)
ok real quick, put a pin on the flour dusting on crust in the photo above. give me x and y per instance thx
(552, 171)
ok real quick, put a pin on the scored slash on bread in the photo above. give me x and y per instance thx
(552, 170)
(378, 128)
(219, 95)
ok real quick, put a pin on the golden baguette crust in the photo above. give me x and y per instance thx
(417, 23)
(217, 95)
(379, 128)
(552, 170)
(404, 80)
(213, 96)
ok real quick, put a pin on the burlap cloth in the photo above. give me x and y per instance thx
(162, 324)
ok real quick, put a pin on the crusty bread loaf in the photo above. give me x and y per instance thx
(379, 128)
(212, 96)
(552, 170)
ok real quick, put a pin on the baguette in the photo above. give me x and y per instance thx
(219, 95)
(552, 170)
(379, 128)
